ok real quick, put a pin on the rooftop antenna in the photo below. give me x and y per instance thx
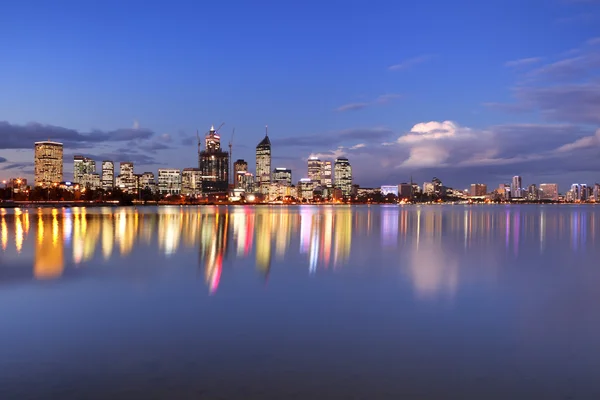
(266, 130)
(199, 146)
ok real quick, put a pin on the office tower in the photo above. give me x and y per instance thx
(126, 180)
(579, 192)
(343, 175)
(305, 189)
(438, 187)
(214, 164)
(169, 181)
(548, 191)
(90, 181)
(516, 187)
(478, 189)
(315, 170)
(263, 164)
(596, 193)
(405, 191)
(246, 181)
(81, 166)
(147, 182)
(108, 175)
(532, 192)
(282, 176)
(326, 179)
(240, 167)
(48, 163)
(428, 188)
(389, 189)
(191, 182)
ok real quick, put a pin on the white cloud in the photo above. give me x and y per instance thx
(358, 146)
(410, 62)
(136, 124)
(522, 62)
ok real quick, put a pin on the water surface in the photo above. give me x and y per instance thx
(380, 302)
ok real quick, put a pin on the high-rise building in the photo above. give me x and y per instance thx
(579, 192)
(214, 164)
(81, 166)
(516, 189)
(428, 188)
(191, 182)
(48, 161)
(305, 189)
(169, 181)
(343, 175)
(478, 189)
(146, 181)
(548, 191)
(240, 167)
(90, 181)
(108, 175)
(405, 191)
(126, 180)
(246, 181)
(282, 176)
(263, 164)
(315, 170)
(326, 179)
(532, 192)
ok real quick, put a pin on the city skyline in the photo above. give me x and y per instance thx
(431, 105)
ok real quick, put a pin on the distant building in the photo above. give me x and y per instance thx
(326, 176)
(597, 193)
(428, 188)
(17, 184)
(191, 182)
(305, 189)
(108, 175)
(263, 164)
(532, 192)
(478, 189)
(405, 191)
(579, 192)
(246, 181)
(169, 181)
(81, 166)
(516, 189)
(48, 163)
(389, 189)
(126, 180)
(282, 176)
(315, 170)
(343, 175)
(146, 181)
(214, 164)
(90, 181)
(548, 191)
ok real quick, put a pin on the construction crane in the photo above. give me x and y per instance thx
(231, 158)
(217, 130)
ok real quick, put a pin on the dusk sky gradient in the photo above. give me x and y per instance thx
(469, 91)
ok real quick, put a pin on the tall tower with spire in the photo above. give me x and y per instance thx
(214, 164)
(263, 163)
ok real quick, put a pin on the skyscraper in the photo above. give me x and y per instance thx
(478, 189)
(516, 187)
(343, 175)
(315, 170)
(82, 166)
(126, 180)
(214, 164)
(282, 176)
(548, 191)
(48, 162)
(326, 176)
(263, 164)
(240, 167)
(108, 175)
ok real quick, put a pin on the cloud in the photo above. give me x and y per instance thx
(381, 99)
(333, 139)
(411, 62)
(352, 107)
(358, 146)
(583, 143)
(3, 160)
(574, 68)
(523, 62)
(593, 41)
(136, 124)
(24, 136)
(17, 165)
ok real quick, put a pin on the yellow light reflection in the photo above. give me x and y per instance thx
(4, 234)
(49, 259)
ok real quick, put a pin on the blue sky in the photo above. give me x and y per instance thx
(516, 81)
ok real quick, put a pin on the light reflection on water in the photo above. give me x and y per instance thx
(370, 293)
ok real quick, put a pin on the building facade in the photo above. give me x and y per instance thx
(326, 177)
(169, 181)
(282, 176)
(548, 191)
(240, 167)
(343, 175)
(214, 164)
(90, 181)
(191, 182)
(516, 188)
(108, 175)
(315, 170)
(405, 191)
(81, 166)
(305, 189)
(48, 163)
(146, 181)
(126, 180)
(478, 189)
(263, 165)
